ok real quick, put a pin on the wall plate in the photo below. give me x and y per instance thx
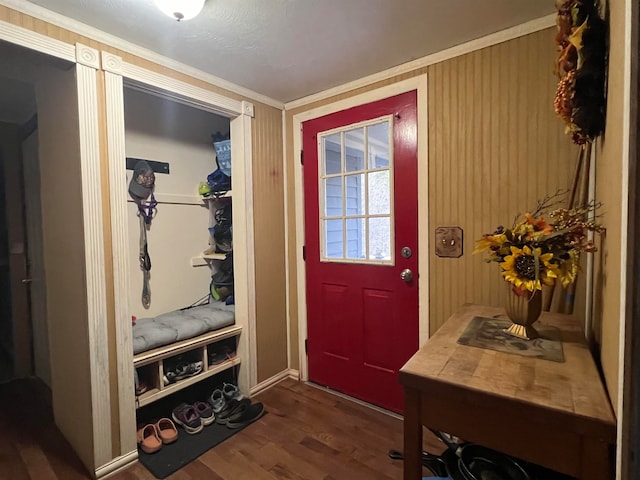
(449, 242)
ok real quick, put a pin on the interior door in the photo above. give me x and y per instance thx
(35, 257)
(361, 247)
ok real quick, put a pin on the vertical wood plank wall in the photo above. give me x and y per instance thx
(268, 211)
(495, 147)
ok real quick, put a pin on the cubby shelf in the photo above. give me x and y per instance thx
(153, 363)
(154, 394)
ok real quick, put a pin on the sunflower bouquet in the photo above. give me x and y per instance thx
(542, 247)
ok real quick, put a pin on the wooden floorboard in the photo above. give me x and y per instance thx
(307, 434)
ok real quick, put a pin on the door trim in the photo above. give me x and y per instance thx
(418, 83)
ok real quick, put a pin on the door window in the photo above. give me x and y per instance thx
(356, 177)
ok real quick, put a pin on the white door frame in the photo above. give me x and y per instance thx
(418, 83)
(117, 75)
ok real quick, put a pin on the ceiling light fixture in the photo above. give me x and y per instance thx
(180, 9)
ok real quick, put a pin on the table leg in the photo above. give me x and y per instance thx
(597, 461)
(412, 435)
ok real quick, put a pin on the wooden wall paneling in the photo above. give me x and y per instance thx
(271, 327)
(495, 148)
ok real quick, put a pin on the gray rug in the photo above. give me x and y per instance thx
(490, 333)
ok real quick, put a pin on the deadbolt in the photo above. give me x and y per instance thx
(406, 252)
(406, 275)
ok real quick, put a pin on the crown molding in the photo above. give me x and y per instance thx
(83, 29)
(467, 47)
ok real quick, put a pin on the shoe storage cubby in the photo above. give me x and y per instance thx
(216, 350)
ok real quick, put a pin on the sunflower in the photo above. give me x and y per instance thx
(568, 270)
(490, 242)
(527, 269)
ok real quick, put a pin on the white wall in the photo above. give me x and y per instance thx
(64, 257)
(161, 130)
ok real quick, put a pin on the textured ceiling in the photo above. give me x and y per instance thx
(288, 49)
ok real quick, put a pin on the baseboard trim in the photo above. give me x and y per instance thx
(116, 465)
(270, 382)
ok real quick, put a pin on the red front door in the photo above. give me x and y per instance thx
(361, 234)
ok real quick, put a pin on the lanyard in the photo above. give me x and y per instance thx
(146, 212)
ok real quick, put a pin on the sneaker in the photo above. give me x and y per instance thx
(187, 369)
(206, 412)
(233, 407)
(181, 371)
(168, 378)
(248, 415)
(231, 392)
(222, 354)
(217, 401)
(188, 418)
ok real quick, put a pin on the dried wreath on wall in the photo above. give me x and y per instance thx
(581, 65)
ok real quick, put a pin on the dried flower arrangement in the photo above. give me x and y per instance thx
(581, 65)
(536, 251)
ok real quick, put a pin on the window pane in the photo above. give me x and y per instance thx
(356, 238)
(333, 196)
(333, 239)
(355, 194)
(378, 136)
(354, 143)
(332, 148)
(379, 193)
(379, 238)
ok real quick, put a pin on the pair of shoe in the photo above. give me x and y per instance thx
(193, 418)
(238, 413)
(221, 354)
(181, 371)
(221, 396)
(152, 436)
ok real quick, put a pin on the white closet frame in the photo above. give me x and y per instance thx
(119, 74)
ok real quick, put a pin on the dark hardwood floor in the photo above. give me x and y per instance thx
(308, 434)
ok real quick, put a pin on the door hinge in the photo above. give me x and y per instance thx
(301, 157)
(304, 253)
(306, 346)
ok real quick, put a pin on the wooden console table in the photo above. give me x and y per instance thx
(553, 414)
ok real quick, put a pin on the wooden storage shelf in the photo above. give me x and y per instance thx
(154, 394)
(197, 347)
(226, 196)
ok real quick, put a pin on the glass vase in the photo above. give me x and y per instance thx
(523, 309)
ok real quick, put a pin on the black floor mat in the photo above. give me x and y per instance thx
(184, 450)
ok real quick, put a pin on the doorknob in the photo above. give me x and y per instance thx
(406, 275)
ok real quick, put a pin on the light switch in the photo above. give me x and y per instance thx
(449, 242)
